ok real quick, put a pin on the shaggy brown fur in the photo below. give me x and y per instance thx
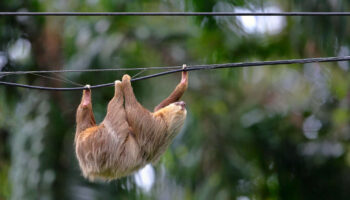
(130, 136)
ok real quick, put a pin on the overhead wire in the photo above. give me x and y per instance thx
(59, 78)
(192, 68)
(174, 13)
(138, 74)
(172, 69)
(88, 70)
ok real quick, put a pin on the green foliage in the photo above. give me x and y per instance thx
(278, 132)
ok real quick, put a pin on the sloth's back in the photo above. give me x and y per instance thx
(107, 155)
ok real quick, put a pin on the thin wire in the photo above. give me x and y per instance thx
(67, 80)
(193, 68)
(89, 70)
(138, 73)
(59, 78)
(174, 13)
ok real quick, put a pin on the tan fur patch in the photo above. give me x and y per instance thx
(130, 136)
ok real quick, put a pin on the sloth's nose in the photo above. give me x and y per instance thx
(181, 103)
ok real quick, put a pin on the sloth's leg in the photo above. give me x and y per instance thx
(176, 94)
(143, 125)
(115, 120)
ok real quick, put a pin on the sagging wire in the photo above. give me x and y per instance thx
(189, 68)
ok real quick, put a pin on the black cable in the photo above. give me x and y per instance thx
(174, 13)
(193, 68)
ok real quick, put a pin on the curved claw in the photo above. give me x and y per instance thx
(117, 88)
(86, 100)
(184, 78)
(126, 77)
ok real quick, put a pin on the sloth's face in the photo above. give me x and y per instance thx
(175, 115)
(182, 104)
(177, 108)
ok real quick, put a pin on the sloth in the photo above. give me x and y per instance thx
(130, 136)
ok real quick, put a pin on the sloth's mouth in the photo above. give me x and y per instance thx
(182, 104)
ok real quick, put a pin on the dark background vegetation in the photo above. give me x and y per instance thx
(254, 133)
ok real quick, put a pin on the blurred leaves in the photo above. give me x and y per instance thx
(251, 133)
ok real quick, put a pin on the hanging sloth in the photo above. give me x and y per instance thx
(130, 136)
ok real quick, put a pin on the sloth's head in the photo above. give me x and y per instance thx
(174, 115)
